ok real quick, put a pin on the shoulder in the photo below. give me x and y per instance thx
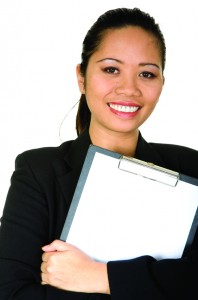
(69, 151)
(46, 154)
(180, 158)
(174, 151)
(42, 158)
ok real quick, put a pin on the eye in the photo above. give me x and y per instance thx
(111, 70)
(147, 75)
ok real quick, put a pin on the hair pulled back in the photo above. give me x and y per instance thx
(113, 19)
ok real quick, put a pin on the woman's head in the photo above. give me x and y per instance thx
(112, 20)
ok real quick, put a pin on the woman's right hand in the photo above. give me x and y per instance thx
(67, 267)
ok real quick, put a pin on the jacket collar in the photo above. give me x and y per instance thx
(76, 154)
(78, 150)
(68, 168)
(147, 152)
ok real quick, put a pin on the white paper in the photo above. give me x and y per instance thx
(121, 215)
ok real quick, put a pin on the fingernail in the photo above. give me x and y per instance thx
(45, 247)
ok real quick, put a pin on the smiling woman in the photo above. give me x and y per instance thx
(121, 84)
(122, 91)
(120, 78)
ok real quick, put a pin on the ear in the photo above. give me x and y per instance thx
(81, 80)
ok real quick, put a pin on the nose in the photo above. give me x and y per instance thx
(128, 86)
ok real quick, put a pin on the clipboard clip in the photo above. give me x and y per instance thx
(148, 170)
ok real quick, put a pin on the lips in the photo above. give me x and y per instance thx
(124, 108)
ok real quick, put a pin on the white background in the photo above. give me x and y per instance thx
(40, 45)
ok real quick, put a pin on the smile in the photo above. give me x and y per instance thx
(124, 108)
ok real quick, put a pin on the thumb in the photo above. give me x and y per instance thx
(56, 245)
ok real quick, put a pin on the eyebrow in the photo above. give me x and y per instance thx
(109, 58)
(121, 62)
(149, 64)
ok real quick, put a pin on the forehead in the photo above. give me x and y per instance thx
(128, 40)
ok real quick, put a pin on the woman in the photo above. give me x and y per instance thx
(120, 79)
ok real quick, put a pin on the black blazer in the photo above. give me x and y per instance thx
(38, 200)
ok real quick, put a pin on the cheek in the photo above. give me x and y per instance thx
(98, 87)
(153, 94)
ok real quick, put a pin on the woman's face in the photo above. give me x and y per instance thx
(123, 81)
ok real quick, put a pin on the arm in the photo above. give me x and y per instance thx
(25, 228)
(146, 278)
(139, 278)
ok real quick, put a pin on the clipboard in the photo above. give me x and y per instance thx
(123, 208)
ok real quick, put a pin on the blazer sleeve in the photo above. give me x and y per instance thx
(24, 230)
(146, 278)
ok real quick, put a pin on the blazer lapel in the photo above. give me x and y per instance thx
(145, 151)
(69, 167)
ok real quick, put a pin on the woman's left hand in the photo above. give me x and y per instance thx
(66, 267)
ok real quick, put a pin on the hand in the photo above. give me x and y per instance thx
(67, 267)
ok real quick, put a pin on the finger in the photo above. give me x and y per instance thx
(43, 279)
(43, 267)
(47, 279)
(49, 248)
(45, 257)
(56, 245)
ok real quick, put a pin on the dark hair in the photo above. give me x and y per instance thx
(113, 19)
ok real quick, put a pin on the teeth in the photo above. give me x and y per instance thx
(124, 108)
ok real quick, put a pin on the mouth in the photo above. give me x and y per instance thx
(124, 108)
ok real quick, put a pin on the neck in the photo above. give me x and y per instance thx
(123, 143)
